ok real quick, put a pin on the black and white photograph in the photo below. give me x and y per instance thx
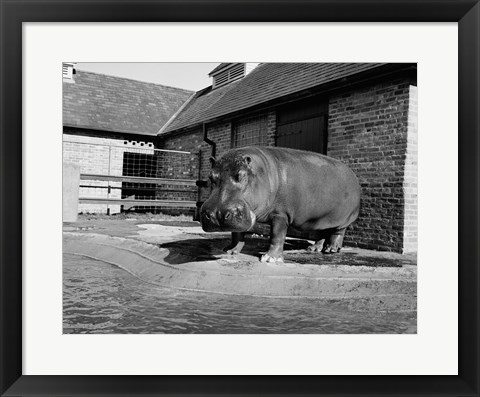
(239, 198)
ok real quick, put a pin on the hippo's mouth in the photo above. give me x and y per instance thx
(236, 220)
(244, 226)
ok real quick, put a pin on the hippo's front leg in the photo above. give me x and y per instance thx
(278, 232)
(238, 241)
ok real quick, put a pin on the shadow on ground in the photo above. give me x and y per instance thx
(206, 249)
(209, 249)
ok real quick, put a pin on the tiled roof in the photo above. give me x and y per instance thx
(268, 81)
(198, 106)
(98, 101)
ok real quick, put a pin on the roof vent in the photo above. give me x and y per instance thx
(68, 71)
(227, 72)
(234, 72)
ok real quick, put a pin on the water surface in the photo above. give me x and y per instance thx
(101, 298)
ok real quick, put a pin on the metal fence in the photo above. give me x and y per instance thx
(116, 178)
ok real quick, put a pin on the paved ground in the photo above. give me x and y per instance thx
(178, 254)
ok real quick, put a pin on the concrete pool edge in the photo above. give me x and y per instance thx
(383, 289)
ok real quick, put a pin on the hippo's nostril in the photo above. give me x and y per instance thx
(212, 216)
(228, 215)
(209, 216)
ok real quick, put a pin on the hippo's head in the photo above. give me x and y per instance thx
(229, 207)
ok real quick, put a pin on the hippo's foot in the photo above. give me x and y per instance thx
(234, 249)
(317, 247)
(237, 243)
(331, 249)
(336, 241)
(270, 258)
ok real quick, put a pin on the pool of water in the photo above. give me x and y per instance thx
(101, 298)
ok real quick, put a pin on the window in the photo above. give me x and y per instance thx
(250, 132)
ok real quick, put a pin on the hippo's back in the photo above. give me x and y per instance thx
(315, 190)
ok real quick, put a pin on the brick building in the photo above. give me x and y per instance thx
(110, 126)
(363, 114)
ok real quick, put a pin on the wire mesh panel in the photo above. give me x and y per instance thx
(139, 164)
(142, 179)
(177, 168)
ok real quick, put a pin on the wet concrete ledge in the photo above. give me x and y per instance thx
(188, 259)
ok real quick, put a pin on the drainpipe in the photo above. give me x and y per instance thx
(209, 141)
(201, 183)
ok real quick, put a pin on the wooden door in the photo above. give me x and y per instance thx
(305, 134)
(303, 126)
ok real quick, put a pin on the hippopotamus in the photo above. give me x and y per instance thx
(286, 188)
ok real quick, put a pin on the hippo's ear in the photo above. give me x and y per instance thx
(212, 161)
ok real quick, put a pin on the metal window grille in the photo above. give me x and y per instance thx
(250, 132)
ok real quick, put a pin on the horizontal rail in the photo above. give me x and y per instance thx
(138, 179)
(150, 189)
(138, 203)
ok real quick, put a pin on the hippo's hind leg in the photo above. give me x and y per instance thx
(335, 242)
(237, 243)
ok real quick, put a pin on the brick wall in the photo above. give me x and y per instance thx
(92, 155)
(98, 153)
(271, 128)
(410, 177)
(368, 130)
(173, 165)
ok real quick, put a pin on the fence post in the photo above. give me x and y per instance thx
(71, 186)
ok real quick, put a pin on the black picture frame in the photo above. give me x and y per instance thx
(14, 13)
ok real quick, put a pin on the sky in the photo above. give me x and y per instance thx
(190, 76)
